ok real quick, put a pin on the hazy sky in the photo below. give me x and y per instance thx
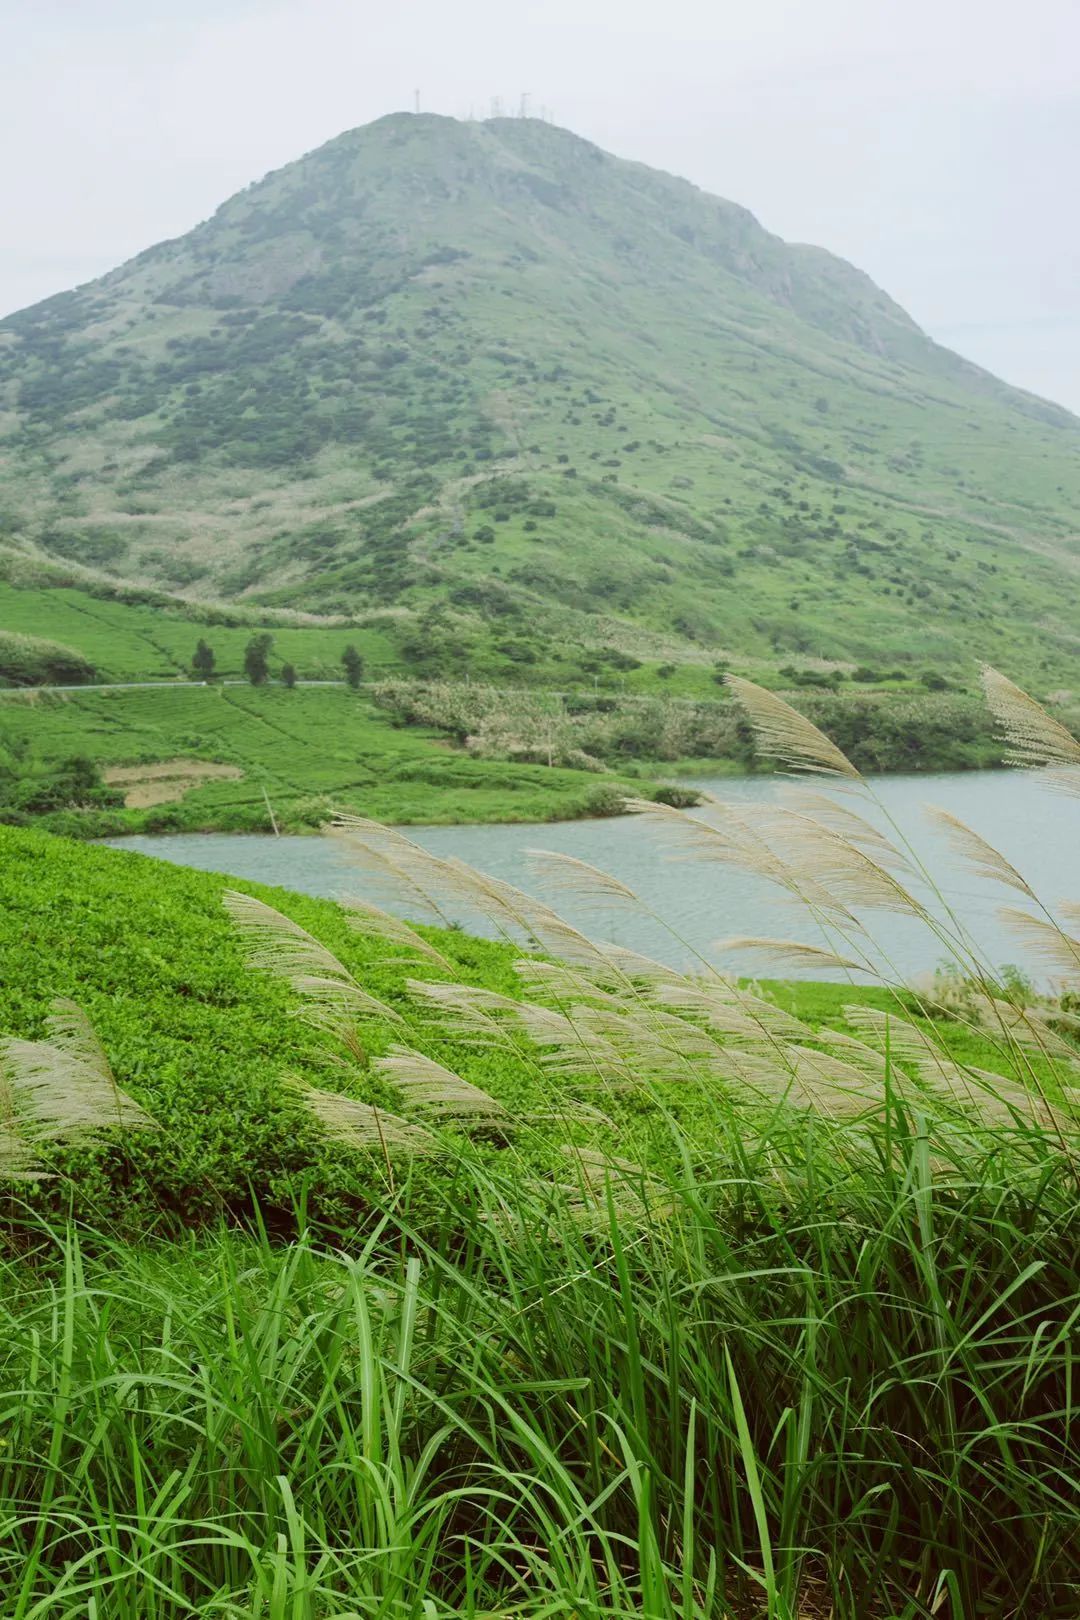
(932, 142)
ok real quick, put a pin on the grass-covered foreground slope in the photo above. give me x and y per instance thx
(201, 1039)
(570, 402)
(763, 1364)
(148, 951)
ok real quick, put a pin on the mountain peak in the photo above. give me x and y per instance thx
(487, 367)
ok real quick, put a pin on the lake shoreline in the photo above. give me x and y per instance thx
(681, 775)
(703, 901)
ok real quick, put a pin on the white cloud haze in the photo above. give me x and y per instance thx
(931, 142)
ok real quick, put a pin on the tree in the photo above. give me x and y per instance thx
(257, 658)
(288, 675)
(203, 661)
(354, 666)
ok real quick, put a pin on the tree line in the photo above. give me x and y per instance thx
(257, 662)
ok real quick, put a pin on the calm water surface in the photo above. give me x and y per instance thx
(702, 903)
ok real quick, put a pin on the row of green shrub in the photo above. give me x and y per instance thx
(879, 732)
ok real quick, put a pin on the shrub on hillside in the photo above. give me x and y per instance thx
(30, 788)
(34, 661)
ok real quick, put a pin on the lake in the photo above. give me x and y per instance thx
(703, 902)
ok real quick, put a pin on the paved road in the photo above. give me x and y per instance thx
(137, 686)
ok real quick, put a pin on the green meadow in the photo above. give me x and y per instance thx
(125, 641)
(309, 752)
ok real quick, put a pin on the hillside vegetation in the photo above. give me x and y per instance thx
(34, 661)
(550, 406)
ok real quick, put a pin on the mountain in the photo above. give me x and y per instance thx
(522, 397)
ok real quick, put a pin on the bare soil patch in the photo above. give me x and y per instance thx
(166, 781)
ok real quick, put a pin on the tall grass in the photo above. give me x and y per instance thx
(754, 1320)
(854, 1397)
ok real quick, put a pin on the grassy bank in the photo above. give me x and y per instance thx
(880, 731)
(147, 949)
(536, 741)
(780, 1365)
(308, 751)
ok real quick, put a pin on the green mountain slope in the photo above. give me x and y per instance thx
(529, 397)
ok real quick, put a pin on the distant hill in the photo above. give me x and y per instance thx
(525, 395)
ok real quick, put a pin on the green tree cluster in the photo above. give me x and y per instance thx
(257, 658)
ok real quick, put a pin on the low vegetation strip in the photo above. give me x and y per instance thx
(514, 755)
(881, 731)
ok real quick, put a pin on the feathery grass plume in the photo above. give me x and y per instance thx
(65, 1085)
(981, 856)
(561, 981)
(484, 1018)
(403, 870)
(467, 1011)
(842, 819)
(280, 946)
(782, 733)
(840, 869)
(579, 877)
(429, 1087)
(830, 1086)
(603, 1184)
(635, 968)
(17, 1162)
(618, 1047)
(732, 1011)
(1030, 1028)
(358, 1124)
(905, 1048)
(870, 1060)
(1004, 1101)
(569, 1044)
(632, 1033)
(903, 1041)
(576, 1112)
(1059, 950)
(645, 1042)
(994, 1099)
(556, 1041)
(519, 916)
(371, 920)
(430, 879)
(1036, 738)
(790, 953)
(732, 836)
